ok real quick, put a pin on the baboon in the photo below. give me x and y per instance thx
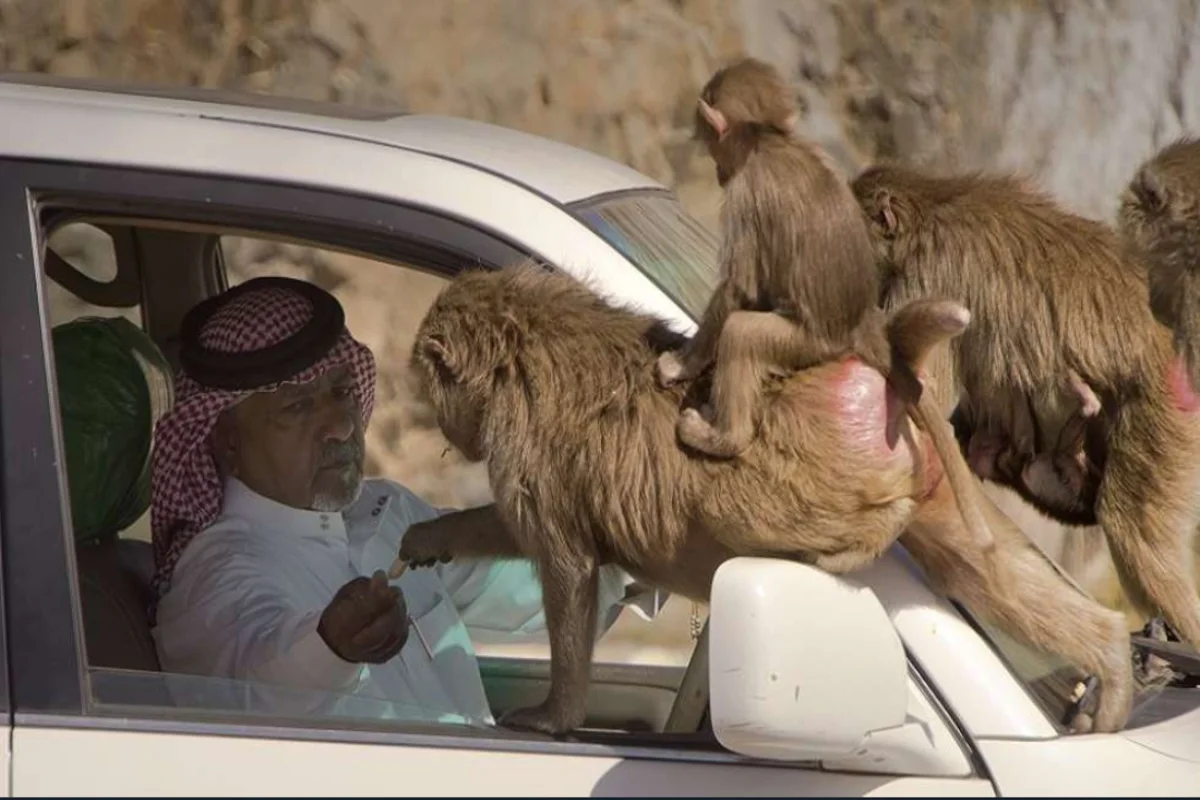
(554, 388)
(1159, 217)
(1061, 478)
(1052, 293)
(799, 285)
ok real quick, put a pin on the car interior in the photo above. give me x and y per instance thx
(164, 270)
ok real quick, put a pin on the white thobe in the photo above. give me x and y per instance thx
(248, 591)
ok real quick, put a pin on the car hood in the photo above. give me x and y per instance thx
(1176, 729)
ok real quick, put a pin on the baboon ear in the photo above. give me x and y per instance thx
(1150, 191)
(885, 213)
(715, 119)
(442, 357)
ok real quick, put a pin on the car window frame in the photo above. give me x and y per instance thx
(47, 657)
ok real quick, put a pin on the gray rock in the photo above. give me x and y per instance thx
(332, 25)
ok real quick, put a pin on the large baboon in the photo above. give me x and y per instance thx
(1052, 294)
(555, 389)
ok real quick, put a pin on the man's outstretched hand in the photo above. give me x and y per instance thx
(366, 622)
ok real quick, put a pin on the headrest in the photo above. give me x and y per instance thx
(113, 385)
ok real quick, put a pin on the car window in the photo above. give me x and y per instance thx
(385, 302)
(92, 252)
(654, 231)
(384, 305)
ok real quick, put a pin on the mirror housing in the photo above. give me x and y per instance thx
(803, 665)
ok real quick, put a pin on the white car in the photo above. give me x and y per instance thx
(809, 685)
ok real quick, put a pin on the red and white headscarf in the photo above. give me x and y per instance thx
(186, 487)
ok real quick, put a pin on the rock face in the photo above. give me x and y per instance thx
(1073, 93)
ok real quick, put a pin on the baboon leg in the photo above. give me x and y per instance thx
(570, 582)
(1053, 617)
(469, 533)
(1081, 551)
(750, 344)
(1153, 565)
(1019, 589)
(684, 365)
(1147, 510)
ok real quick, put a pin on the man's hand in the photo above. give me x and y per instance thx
(366, 622)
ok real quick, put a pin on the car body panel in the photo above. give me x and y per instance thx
(559, 171)
(1101, 765)
(153, 764)
(1178, 737)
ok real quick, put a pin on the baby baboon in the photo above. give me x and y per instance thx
(1051, 293)
(799, 283)
(1160, 218)
(554, 388)
(1062, 480)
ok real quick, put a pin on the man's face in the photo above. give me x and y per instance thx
(301, 445)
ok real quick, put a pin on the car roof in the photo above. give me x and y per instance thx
(556, 170)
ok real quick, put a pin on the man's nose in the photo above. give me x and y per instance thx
(338, 423)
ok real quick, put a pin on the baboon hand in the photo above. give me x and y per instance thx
(424, 544)
(669, 368)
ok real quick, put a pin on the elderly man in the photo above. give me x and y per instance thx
(265, 531)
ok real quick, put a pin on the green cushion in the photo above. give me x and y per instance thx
(113, 385)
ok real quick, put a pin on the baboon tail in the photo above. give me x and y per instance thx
(918, 327)
(913, 332)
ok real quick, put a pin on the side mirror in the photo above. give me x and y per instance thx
(803, 665)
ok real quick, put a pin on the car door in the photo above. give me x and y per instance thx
(82, 726)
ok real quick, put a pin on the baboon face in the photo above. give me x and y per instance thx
(456, 359)
(459, 410)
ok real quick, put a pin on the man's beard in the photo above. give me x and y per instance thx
(335, 494)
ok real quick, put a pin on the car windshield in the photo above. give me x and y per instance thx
(1049, 678)
(654, 232)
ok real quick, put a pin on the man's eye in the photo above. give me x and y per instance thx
(342, 392)
(299, 406)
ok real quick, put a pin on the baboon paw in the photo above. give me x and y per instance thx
(699, 434)
(423, 547)
(541, 718)
(1083, 723)
(669, 368)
